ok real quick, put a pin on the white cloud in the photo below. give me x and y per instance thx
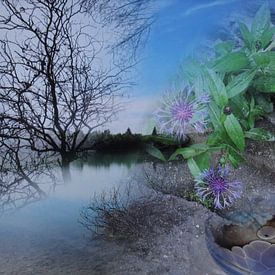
(137, 115)
(159, 5)
(206, 6)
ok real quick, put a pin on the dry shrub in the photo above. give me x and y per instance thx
(118, 216)
(172, 179)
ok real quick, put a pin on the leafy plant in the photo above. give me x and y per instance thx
(239, 82)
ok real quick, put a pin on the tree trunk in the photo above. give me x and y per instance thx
(65, 167)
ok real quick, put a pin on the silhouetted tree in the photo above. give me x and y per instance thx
(154, 132)
(128, 20)
(128, 132)
(55, 90)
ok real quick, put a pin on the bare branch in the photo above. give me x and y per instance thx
(54, 85)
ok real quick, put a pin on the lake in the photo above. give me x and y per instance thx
(47, 233)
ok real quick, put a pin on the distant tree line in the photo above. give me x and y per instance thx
(106, 142)
(54, 85)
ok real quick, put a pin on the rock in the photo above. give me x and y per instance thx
(271, 118)
(180, 251)
(260, 154)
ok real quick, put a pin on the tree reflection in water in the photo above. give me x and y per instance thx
(25, 176)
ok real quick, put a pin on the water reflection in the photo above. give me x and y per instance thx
(46, 231)
(21, 176)
(29, 177)
(40, 181)
(107, 160)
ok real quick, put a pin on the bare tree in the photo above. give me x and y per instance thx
(129, 20)
(53, 84)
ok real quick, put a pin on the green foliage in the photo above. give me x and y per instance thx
(216, 88)
(246, 35)
(191, 151)
(259, 134)
(192, 196)
(264, 103)
(193, 167)
(105, 142)
(240, 82)
(265, 84)
(224, 48)
(231, 62)
(155, 152)
(261, 23)
(234, 131)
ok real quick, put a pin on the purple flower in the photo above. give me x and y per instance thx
(181, 112)
(214, 184)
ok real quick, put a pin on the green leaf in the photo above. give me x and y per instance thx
(240, 106)
(264, 59)
(163, 140)
(265, 84)
(261, 59)
(252, 103)
(214, 139)
(232, 62)
(255, 113)
(224, 48)
(234, 131)
(261, 22)
(191, 69)
(264, 102)
(233, 161)
(155, 152)
(215, 115)
(239, 83)
(203, 161)
(266, 37)
(272, 44)
(193, 167)
(260, 134)
(251, 117)
(246, 35)
(217, 88)
(234, 156)
(190, 151)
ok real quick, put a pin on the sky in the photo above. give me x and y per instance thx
(180, 29)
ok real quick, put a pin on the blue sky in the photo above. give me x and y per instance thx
(180, 29)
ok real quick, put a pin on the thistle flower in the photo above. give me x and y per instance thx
(182, 111)
(214, 184)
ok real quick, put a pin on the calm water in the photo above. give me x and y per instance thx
(49, 229)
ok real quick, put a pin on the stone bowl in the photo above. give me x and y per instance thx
(244, 242)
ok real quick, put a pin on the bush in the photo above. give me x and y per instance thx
(115, 216)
